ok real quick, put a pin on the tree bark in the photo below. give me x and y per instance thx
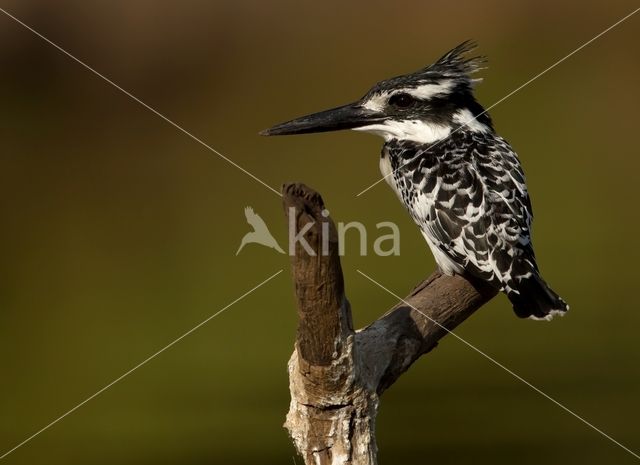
(336, 374)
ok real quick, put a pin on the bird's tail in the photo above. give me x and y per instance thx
(533, 298)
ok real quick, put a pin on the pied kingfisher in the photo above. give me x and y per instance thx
(460, 181)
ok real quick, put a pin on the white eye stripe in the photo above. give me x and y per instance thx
(377, 102)
(427, 91)
(423, 92)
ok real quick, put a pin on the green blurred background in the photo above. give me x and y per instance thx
(119, 232)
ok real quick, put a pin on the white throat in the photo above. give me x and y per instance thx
(412, 129)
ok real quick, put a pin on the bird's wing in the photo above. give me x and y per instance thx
(255, 220)
(472, 204)
(249, 214)
(509, 211)
(458, 223)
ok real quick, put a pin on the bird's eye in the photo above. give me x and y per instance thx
(402, 100)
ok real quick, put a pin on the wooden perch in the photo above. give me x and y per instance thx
(336, 374)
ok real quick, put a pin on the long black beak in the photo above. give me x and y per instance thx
(344, 117)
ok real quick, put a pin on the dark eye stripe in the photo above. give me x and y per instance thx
(402, 100)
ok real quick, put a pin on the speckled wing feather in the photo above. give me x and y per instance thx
(469, 197)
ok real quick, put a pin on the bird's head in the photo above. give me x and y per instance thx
(424, 106)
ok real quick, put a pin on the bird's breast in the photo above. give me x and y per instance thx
(387, 171)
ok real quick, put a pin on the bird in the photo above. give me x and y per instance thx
(460, 181)
(260, 233)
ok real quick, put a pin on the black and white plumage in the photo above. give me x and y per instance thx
(461, 182)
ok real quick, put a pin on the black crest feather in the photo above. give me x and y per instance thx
(454, 64)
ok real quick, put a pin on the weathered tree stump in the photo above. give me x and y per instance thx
(336, 374)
